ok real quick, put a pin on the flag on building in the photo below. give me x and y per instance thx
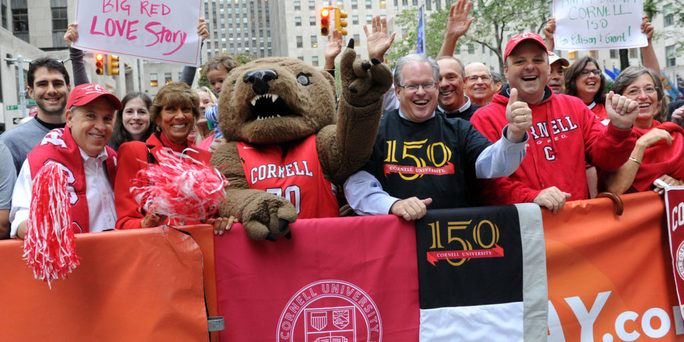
(420, 41)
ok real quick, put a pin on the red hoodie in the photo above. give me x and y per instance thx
(564, 136)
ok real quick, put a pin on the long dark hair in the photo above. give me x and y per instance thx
(574, 71)
(120, 135)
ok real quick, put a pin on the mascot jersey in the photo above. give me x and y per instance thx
(295, 175)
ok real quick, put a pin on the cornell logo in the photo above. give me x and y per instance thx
(680, 260)
(330, 311)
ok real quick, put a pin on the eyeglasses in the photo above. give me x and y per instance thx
(474, 78)
(586, 72)
(634, 92)
(415, 87)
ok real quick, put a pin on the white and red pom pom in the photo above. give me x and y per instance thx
(179, 187)
(49, 247)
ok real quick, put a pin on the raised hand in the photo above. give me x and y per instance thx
(621, 111)
(549, 31)
(550, 28)
(363, 82)
(378, 39)
(71, 34)
(202, 30)
(333, 48)
(519, 116)
(458, 22)
(647, 28)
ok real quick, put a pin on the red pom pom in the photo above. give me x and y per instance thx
(179, 187)
(49, 247)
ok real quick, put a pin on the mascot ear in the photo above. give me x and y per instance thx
(330, 79)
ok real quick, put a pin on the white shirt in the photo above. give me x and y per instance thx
(99, 194)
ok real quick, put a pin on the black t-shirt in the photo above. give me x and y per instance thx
(435, 158)
(465, 115)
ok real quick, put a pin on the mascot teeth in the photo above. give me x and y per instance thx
(273, 98)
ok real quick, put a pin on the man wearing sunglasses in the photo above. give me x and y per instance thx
(422, 158)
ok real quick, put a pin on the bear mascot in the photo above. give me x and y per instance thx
(290, 141)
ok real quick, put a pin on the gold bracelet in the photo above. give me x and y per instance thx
(634, 160)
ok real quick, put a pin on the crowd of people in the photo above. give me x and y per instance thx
(452, 135)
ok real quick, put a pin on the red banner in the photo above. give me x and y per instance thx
(674, 207)
(339, 277)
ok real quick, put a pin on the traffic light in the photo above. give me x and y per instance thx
(341, 21)
(325, 21)
(99, 63)
(113, 65)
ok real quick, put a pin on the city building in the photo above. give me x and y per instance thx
(240, 27)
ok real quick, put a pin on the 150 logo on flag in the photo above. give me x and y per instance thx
(459, 245)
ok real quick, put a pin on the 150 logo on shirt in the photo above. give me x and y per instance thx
(431, 159)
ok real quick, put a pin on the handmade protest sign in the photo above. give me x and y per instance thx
(155, 29)
(598, 24)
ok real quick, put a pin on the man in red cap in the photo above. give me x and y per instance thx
(80, 149)
(564, 134)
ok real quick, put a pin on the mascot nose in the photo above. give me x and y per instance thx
(259, 79)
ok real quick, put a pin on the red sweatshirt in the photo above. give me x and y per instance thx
(564, 136)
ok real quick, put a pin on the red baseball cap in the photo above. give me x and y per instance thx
(83, 94)
(521, 37)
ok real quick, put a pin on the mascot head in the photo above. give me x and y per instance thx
(276, 100)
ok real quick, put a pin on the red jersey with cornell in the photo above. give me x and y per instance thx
(295, 175)
(564, 136)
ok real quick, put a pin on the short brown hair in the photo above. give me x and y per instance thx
(223, 60)
(175, 94)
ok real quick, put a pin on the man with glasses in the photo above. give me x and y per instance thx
(423, 158)
(564, 136)
(478, 84)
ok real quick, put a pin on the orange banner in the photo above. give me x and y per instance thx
(610, 277)
(140, 285)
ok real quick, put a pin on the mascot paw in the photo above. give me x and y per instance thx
(268, 217)
(363, 82)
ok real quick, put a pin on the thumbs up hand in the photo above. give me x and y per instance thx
(519, 116)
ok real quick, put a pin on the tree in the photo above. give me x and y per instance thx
(493, 20)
